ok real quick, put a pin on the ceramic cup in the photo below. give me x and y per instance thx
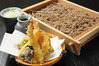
(10, 22)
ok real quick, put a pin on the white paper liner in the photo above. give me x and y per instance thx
(10, 41)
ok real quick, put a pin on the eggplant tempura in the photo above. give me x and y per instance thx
(36, 46)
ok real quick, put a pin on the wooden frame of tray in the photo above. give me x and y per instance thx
(73, 44)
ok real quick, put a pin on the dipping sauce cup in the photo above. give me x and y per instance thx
(23, 22)
(9, 15)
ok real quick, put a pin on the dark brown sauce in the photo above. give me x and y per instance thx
(23, 19)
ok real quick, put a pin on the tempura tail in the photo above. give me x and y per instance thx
(37, 51)
(36, 30)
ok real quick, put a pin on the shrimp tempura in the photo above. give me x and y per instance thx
(37, 51)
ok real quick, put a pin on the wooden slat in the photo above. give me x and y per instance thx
(38, 5)
(89, 34)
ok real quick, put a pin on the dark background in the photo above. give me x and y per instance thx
(89, 53)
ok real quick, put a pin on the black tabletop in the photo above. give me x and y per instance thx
(89, 53)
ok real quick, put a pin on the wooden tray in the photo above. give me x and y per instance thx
(73, 44)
